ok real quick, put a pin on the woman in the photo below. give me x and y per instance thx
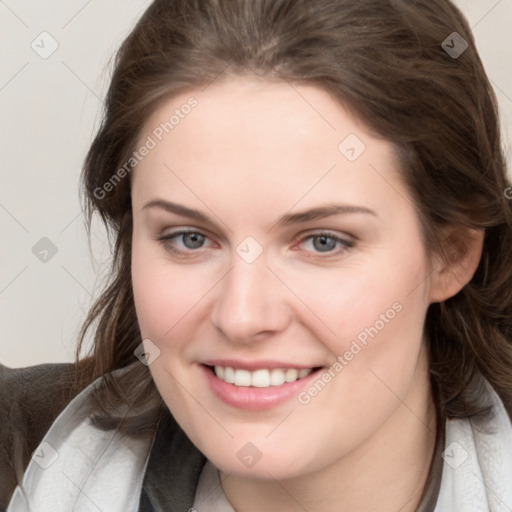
(310, 303)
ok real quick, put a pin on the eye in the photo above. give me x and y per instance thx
(191, 241)
(325, 242)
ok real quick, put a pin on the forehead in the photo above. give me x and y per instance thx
(254, 108)
(272, 139)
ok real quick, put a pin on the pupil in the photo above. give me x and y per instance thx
(323, 245)
(196, 239)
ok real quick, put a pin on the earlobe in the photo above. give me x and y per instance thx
(462, 248)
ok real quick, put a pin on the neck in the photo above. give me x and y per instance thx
(391, 468)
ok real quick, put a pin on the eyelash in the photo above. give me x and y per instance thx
(166, 242)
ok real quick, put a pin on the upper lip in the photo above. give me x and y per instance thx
(256, 365)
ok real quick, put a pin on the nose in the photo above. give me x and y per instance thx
(251, 302)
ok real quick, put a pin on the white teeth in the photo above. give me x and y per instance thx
(242, 378)
(229, 375)
(260, 378)
(219, 371)
(277, 377)
(291, 375)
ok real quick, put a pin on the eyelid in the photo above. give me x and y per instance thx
(347, 241)
(166, 238)
(184, 230)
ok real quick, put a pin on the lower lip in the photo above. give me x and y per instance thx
(253, 398)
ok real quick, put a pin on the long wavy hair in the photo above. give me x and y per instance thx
(384, 60)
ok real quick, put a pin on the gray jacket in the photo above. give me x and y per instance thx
(30, 400)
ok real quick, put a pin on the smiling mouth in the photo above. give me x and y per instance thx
(261, 378)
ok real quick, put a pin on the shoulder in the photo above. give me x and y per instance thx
(30, 400)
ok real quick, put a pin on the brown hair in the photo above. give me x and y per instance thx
(383, 59)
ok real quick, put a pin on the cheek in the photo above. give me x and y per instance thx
(163, 299)
(376, 297)
(370, 318)
(338, 305)
(171, 303)
(377, 314)
(160, 294)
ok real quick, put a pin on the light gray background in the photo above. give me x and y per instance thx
(50, 108)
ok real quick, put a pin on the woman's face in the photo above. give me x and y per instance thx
(305, 261)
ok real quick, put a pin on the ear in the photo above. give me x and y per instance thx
(462, 248)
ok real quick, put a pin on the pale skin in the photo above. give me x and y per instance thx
(249, 153)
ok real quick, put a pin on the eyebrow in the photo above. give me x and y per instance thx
(289, 219)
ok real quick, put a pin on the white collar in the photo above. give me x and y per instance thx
(477, 472)
(80, 467)
(77, 466)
